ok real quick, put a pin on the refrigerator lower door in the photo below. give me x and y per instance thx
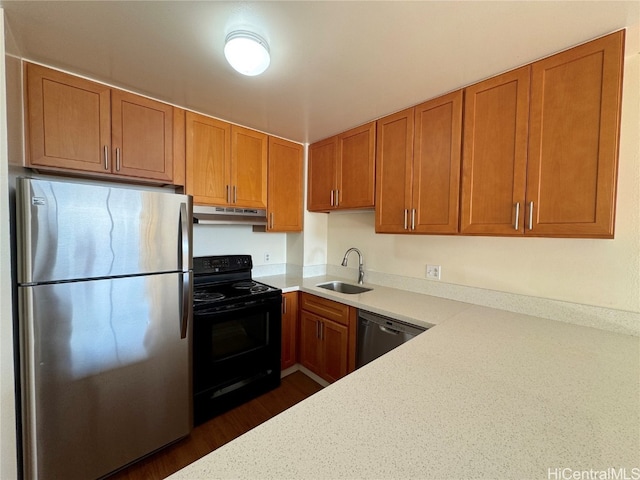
(106, 375)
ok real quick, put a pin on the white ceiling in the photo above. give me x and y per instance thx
(334, 65)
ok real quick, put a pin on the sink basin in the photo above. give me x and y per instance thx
(342, 287)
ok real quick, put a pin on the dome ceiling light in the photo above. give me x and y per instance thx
(247, 52)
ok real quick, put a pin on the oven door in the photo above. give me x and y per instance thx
(236, 352)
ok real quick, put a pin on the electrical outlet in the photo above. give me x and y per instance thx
(267, 257)
(433, 272)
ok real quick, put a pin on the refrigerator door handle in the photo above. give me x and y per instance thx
(185, 281)
(185, 276)
(183, 254)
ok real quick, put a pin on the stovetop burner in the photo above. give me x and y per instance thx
(244, 285)
(205, 296)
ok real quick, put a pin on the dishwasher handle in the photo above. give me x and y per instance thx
(390, 325)
(388, 330)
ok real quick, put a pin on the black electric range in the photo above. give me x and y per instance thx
(236, 334)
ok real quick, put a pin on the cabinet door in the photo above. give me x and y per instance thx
(289, 354)
(68, 121)
(334, 344)
(573, 145)
(495, 154)
(393, 169)
(142, 136)
(248, 167)
(321, 183)
(436, 165)
(208, 159)
(356, 167)
(310, 345)
(285, 194)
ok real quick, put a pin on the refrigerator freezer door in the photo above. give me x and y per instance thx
(70, 231)
(106, 375)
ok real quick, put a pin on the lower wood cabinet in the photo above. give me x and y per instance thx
(327, 337)
(323, 346)
(289, 352)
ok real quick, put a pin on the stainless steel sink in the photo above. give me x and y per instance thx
(342, 287)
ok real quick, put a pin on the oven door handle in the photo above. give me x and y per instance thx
(259, 304)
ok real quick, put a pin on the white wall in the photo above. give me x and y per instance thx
(602, 273)
(239, 239)
(8, 449)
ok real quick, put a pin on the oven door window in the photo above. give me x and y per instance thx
(237, 336)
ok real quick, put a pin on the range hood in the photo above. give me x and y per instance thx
(228, 215)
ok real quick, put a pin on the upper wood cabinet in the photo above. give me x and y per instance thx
(418, 168)
(285, 186)
(541, 146)
(574, 129)
(77, 125)
(342, 171)
(495, 154)
(226, 165)
(321, 183)
(249, 150)
(141, 136)
(208, 166)
(394, 159)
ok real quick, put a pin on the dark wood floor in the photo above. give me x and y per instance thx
(222, 429)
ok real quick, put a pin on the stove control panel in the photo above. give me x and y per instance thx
(222, 264)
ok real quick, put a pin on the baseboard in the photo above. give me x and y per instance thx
(299, 368)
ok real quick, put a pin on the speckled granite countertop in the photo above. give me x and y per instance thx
(484, 394)
(424, 310)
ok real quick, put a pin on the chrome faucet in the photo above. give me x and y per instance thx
(360, 269)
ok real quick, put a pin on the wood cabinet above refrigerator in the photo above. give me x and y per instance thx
(78, 126)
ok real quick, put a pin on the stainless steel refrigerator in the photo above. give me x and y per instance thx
(104, 286)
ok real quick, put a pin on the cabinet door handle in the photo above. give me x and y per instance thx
(317, 329)
(406, 214)
(332, 193)
(517, 222)
(530, 215)
(228, 194)
(413, 219)
(321, 331)
(271, 220)
(337, 198)
(235, 194)
(117, 159)
(105, 152)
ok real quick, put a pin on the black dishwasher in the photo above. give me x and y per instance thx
(378, 335)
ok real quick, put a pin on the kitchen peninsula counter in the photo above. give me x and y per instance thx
(485, 393)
